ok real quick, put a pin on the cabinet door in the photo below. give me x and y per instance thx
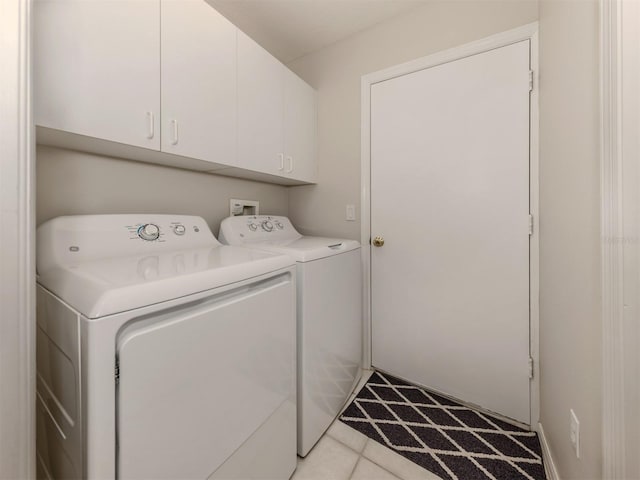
(260, 108)
(97, 69)
(299, 129)
(198, 82)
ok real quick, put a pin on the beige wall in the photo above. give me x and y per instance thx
(336, 70)
(570, 326)
(71, 183)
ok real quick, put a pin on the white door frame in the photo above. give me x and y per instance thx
(17, 256)
(526, 32)
(614, 40)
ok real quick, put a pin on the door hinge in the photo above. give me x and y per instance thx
(530, 368)
(530, 80)
(116, 372)
(530, 224)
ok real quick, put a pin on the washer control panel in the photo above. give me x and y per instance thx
(265, 224)
(256, 228)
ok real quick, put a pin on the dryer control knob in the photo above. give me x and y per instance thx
(253, 227)
(267, 226)
(179, 229)
(149, 232)
(279, 225)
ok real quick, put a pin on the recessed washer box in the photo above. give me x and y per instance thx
(239, 207)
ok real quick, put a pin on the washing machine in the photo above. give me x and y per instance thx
(329, 312)
(162, 353)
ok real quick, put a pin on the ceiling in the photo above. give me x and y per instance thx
(292, 28)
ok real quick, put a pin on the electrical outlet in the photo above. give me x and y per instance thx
(574, 432)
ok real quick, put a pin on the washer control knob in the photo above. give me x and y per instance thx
(149, 232)
(179, 229)
(267, 226)
(279, 226)
(253, 227)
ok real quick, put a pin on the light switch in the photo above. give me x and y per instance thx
(351, 213)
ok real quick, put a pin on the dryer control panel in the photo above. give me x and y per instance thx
(257, 228)
(79, 238)
(167, 229)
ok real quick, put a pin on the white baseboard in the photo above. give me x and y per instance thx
(549, 467)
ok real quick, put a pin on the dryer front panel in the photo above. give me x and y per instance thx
(196, 382)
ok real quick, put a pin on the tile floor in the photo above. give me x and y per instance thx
(345, 454)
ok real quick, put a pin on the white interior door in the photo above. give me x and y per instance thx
(450, 196)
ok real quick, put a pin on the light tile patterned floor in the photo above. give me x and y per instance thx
(345, 454)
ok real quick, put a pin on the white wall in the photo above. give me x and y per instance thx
(70, 182)
(336, 70)
(570, 300)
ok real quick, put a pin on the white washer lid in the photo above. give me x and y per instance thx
(100, 266)
(306, 249)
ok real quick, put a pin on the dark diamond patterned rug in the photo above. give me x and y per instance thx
(443, 436)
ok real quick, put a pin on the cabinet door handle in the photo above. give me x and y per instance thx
(174, 124)
(281, 158)
(151, 130)
(290, 163)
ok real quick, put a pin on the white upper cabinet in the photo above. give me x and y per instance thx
(276, 116)
(176, 78)
(97, 69)
(260, 108)
(300, 112)
(198, 82)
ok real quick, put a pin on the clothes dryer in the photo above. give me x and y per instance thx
(161, 353)
(329, 312)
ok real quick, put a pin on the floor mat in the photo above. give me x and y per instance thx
(443, 436)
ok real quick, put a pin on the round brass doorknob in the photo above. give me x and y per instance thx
(378, 241)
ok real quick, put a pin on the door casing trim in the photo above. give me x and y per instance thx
(613, 204)
(525, 32)
(17, 275)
